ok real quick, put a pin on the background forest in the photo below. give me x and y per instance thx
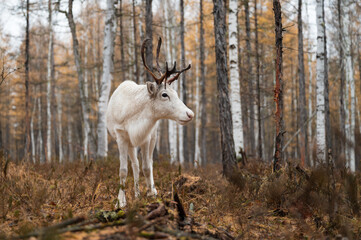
(293, 103)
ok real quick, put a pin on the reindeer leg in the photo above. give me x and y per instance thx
(132, 151)
(123, 170)
(152, 143)
(147, 167)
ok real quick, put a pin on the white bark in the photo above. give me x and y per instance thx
(172, 126)
(33, 150)
(48, 93)
(234, 78)
(320, 86)
(197, 152)
(70, 139)
(40, 135)
(350, 85)
(310, 80)
(60, 126)
(109, 36)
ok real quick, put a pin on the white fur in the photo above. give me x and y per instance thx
(131, 117)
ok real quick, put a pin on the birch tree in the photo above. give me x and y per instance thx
(203, 85)
(108, 66)
(234, 78)
(320, 84)
(346, 7)
(50, 75)
(27, 96)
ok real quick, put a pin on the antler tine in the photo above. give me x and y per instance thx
(157, 59)
(173, 70)
(157, 80)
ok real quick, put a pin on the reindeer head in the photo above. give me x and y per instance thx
(166, 103)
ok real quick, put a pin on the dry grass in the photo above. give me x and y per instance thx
(289, 204)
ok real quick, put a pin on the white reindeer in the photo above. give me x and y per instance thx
(132, 116)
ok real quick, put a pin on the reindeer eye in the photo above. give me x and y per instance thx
(164, 95)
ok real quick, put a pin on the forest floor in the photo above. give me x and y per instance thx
(76, 201)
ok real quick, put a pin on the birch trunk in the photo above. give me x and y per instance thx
(203, 87)
(197, 154)
(234, 78)
(320, 85)
(350, 83)
(40, 134)
(27, 96)
(225, 117)
(121, 37)
(136, 67)
(49, 85)
(33, 149)
(259, 114)
(108, 66)
(310, 86)
(59, 109)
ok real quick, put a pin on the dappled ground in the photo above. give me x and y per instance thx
(292, 204)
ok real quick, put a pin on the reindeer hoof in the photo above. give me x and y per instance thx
(152, 193)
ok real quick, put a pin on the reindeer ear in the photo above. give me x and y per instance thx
(152, 87)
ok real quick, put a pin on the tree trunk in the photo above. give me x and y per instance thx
(278, 92)
(60, 126)
(121, 37)
(40, 134)
(234, 78)
(203, 88)
(78, 64)
(259, 115)
(350, 83)
(108, 68)
(32, 135)
(27, 96)
(197, 153)
(184, 85)
(320, 72)
(149, 34)
(342, 80)
(225, 117)
(49, 85)
(135, 44)
(249, 76)
(302, 113)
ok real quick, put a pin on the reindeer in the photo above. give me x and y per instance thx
(132, 115)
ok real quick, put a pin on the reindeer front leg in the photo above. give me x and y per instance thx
(147, 157)
(123, 170)
(132, 151)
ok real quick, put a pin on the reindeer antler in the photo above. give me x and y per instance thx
(156, 79)
(168, 72)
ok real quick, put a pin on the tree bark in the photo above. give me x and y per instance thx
(108, 68)
(149, 34)
(346, 7)
(278, 92)
(78, 64)
(50, 75)
(121, 37)
(203, 87)
(249, 76)
(259, 114)
(320, 99)
(236, 105)
(60, 126)
(184, 85)
(225, 117)
(135, 43)
(342, 80)
(302, 113)
(27, 96)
